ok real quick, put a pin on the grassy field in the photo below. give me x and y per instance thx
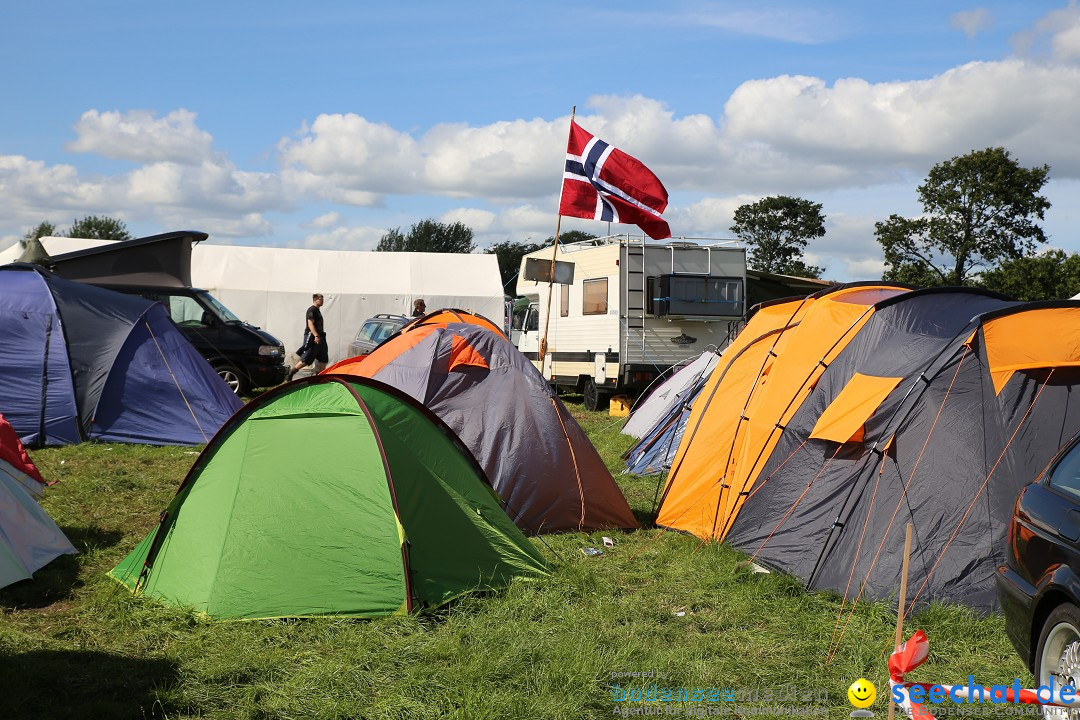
(73, 644)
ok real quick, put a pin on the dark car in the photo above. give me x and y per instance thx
(244, 356)
(1039, 586)
(374, 331)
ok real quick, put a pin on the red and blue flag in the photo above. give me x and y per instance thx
(602, 182)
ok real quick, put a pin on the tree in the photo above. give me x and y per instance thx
(42, 229)
(776, 230)
(99, 228)
(1052, 275)
(509, 254)
(979, 209)
(570, 236)
(429, 236)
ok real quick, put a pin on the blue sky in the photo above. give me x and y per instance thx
(323, 124)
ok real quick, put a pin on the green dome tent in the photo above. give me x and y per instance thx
(329, 496)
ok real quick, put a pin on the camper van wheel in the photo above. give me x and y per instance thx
(232, 377)
(594, 399)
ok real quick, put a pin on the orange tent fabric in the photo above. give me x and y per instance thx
(462, 353)
(380, 357)
(843, 420)
(442, 318)
(1038, 338)
(692, 492)
(420, 327)
(736, 420)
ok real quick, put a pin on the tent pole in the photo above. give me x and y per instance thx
(542, 351)
(903, 601)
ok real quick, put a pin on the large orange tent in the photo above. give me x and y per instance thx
(948, 402)
(737, 419)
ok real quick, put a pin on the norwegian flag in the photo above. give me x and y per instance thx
(604, 183)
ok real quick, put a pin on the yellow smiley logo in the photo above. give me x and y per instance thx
(862, 693)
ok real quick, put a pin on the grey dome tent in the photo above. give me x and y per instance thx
(537, 457)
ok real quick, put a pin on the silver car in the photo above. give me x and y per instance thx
(374, 331)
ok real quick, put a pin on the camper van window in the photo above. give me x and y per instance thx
(564, 300)
(533, 323)
(594, 297)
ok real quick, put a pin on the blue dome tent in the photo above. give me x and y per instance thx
(79, 362)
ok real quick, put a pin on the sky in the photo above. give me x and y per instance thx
(326, 124)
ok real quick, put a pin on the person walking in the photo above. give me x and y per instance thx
(313, 351)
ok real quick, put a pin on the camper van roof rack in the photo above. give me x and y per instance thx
(630, 239)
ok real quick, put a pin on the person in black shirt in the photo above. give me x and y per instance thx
(313, 351)
(419, 307)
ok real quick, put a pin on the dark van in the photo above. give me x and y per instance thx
(245, 356)
(159, 268)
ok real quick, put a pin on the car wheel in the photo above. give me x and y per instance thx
(1057, 656)
(232, 377)
(594, 399)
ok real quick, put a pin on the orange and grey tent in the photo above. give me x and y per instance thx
(446, 316)
(762, 380)
(928, 417)
(537, 457)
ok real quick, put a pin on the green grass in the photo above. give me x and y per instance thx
(73, 644)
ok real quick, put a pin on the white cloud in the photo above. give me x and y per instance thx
(342, 238)
(971, 22)
(857, 132)
(140, 136)
(793, 23)
(224, 230)
(346, 158)
(479, 220)
(324, 221)
(788, 134)
(711, 216)
(864, 269)
(354, 153)
(1055, 34)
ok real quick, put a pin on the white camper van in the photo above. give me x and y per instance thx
(632, 308)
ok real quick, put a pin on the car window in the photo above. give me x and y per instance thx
(384, 331)
(367, 332)
(183, 310)
(1066, 474)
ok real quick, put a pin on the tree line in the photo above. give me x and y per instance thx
(979, 227)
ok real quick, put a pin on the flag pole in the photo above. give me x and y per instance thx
(903, 600)
(554, 253)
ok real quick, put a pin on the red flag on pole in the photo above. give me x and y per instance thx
(604, 183)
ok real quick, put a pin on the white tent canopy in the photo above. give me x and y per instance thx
(271, 287)
(29, 539)
(661, 401)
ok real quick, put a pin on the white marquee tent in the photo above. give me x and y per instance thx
(271, 287)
